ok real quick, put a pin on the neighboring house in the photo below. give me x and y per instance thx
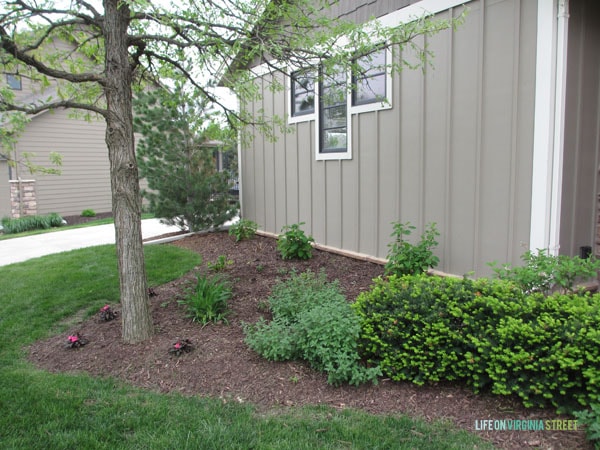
(84, 182)
(498, 143)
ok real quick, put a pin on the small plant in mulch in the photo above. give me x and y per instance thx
(76, 341)
(107, 314)
(180, 347)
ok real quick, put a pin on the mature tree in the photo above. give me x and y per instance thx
(91, 58)
(176, 155)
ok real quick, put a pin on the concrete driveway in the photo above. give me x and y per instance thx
(24, 248)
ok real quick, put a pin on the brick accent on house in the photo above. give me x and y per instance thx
(22, 198)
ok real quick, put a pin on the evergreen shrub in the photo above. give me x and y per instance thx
(489, 333)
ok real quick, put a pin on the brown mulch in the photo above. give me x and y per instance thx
(221, 365)
(77, 220)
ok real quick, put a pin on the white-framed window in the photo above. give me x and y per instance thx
(333, 100)
(372, 85)
(334, 137)
(14, 81)
(301, 96)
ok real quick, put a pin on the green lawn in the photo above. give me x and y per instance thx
(91, 223)
(65, 411)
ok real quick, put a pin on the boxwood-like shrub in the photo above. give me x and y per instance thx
(487, 332)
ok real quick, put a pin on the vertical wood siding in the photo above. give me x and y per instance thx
(455, 149)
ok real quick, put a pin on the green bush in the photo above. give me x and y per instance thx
(405, 258)
(88, 213)
(546, 273)
(591, 420)
(243, 229)
(207, 301)
(29, 223)
(312, 320)
(546, 350)
(293, 243)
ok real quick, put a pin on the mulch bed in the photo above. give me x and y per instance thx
(221, 365)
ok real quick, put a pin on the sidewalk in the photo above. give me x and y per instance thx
(24, 248)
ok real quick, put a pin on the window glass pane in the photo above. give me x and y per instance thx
(303, 93)
(13, 81)
(304, 103)
(372, 63)
(334, 117)
(370, 89)
(334, 140)
(369, 85)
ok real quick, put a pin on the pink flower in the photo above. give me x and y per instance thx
(105, 308)
(177, 345)
(73, 339)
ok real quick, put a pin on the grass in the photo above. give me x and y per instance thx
(64, 411)
(91, 223)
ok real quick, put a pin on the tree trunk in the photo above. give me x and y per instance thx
(126, 201)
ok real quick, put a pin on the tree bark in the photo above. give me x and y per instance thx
(126, 200)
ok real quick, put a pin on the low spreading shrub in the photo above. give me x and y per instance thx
(546, 350)
(293, 243)
(88, 213)
(545, 273)
(29, 223)
(243, 229)
(590, 419)
(405, 258)
(312, 320)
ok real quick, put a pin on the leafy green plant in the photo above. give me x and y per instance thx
(243, 229)
(220, 264)
(545, 273)
(293, 242)
(207, 301)
(405, 258)
(88, 213)
(28, 223)
(591, 420)
(312, 320)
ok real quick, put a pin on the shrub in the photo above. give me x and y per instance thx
(546, 273)
(243, 229)
(489, 333)
(207, 302)
(591, 420)
(88, 213)
(294, 243)
(405, 258)
(313, 321)
(29, 223)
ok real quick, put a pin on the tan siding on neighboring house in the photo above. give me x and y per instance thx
(85, 180)
(455, 149)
